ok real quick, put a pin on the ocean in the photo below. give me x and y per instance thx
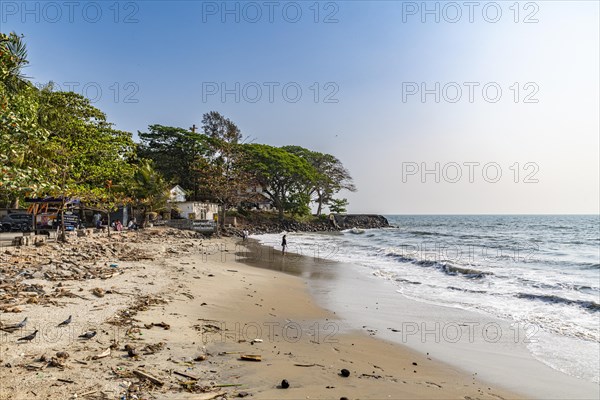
(539, 271)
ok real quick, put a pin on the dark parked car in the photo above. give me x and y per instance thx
(17, 222)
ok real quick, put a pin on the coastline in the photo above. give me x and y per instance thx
(491, 348)
(206, 304)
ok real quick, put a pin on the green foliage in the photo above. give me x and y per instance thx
(338, 206)
(149, 189)
(178, 155)
(58, 144)
(331, 175)
(217, 126)
(21, 137)
(298, 204)
(284, 176)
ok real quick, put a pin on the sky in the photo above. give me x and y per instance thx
(434, 107)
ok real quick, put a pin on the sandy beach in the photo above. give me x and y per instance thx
(178, 324)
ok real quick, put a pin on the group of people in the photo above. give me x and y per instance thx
(117, 225)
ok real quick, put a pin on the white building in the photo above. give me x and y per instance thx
(197, 210)
(257, 198)
(177, 194)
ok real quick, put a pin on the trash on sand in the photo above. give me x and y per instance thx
(251, 357)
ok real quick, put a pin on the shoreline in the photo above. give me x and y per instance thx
(189, 315)
(474, 342)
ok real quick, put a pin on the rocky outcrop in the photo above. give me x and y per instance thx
(363, 221)
(342, 221)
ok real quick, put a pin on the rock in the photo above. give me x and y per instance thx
(285, 384)
(345, 373)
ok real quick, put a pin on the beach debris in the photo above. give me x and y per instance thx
(200, 357)
(307, 365)
(251, 357)
(144, 375)
(88, 335)
(65, 322)
(28, 338)
(345, 373)
(285, 384)
(343, 398)
(62, 354)
(153, 348)
(57, 363)
(414, 363)
(256, 341)
(98, 292)
(104, 354)
(186, 375)
(243, 394)
(163, 325)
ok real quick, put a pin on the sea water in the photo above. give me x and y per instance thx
(540, 271)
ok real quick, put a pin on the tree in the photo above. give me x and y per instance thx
(176, 153)
(224, 176)
(21, 136)
(338, 206)
(86, 158)
(215, 125)
(331, 177)
(284, 176)
(149, 189)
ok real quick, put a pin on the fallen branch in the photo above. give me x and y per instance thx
(185, 375)
(145, 375)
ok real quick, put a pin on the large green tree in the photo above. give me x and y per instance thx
(177, 154)
(331, 176)
(223, 171)
(283, 176)
(21, 136)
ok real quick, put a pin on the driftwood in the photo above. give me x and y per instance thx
(186, 375)
(251, 357)
(147, 376)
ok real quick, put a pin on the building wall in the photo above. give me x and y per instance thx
(177, 195)
(202, 210)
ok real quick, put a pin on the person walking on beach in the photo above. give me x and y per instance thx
(283, 245)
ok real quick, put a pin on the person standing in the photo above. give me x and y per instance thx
(283, 245)
(97, 220)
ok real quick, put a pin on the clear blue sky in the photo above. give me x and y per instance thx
(370, 62)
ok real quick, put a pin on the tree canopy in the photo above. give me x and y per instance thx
(55, 143)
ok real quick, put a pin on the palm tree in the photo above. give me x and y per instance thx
(150, 190)
(14, 57)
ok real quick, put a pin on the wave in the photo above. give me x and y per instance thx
(427, 233)
(466, 272)
(465, 290)
(589, 265)
(588, 305)
(445, 267)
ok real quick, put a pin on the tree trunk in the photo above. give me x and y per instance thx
(63, 235)
(222, 217)
(15, 203)
(108, 222)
